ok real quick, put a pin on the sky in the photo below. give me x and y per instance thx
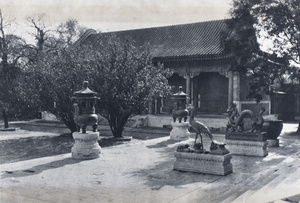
(113, 15)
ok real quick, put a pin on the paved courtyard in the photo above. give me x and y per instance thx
(142, 171)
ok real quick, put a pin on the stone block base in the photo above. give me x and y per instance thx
(180, 131)
(9, 129)
(86, 145)
(273, 143)
(246, 136)
(247, 148)
(203, 163)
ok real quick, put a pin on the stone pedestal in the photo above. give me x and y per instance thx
(180, 131)
(247, 144)
(203, 163)
(273, 143)
(86, 145)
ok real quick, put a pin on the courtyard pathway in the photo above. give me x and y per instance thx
(142, 171)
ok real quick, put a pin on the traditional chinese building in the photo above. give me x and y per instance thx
(200, 63)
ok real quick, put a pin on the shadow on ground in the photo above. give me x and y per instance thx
(13, 150)
(21, 149)
(163, 144)
(162, 174)
(40, 168)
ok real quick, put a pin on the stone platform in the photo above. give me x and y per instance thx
(86, 145)
(203, 163)
(180, 131)
(247, 144)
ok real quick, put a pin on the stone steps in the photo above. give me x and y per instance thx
(281, 186)
(244, 189)
(217, 122)
(261, 187)
(250, 191)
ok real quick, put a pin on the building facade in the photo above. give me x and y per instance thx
(196, 55)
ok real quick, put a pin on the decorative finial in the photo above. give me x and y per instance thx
(85, 84)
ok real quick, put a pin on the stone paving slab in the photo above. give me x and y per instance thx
(142, 171)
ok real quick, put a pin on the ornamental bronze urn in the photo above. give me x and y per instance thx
(86, 143)
(180, 130)
(85, 108)
(179, 99)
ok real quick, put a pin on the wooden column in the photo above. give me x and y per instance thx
(236, 86)
(192, 91)
(230, 87)
(188, 88)
(150, 111)
(155, 107)
(161, 105)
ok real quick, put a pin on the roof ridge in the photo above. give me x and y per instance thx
(167, 26)
(198, 38)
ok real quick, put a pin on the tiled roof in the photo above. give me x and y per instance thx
(201, 40)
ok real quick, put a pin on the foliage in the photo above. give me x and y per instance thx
(126, 80)
(241, 39)
(267, 69)
(253, 18)
(54, 77)
(278, 22)
(45, 75)
(121, 73)
(12, 55)
(69, 32)
(242, 42)
(281, 20)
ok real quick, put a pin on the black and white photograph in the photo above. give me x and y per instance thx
(166, 101)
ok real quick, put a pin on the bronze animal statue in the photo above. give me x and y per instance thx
(83, 120)
(236, 119)
(258, 122)
(215, 147)
(180, 114)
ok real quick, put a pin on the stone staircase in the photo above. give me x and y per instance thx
(269, 185)
(211, 121)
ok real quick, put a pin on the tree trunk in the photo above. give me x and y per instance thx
(117, 130)
(117, 133)
(70, 124)
(117, 124)
(5, 118)
(298, 130)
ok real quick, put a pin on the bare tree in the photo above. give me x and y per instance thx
(41, 30)
(12, 50)
(69, 32)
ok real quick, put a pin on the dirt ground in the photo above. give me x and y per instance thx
(142, 171)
